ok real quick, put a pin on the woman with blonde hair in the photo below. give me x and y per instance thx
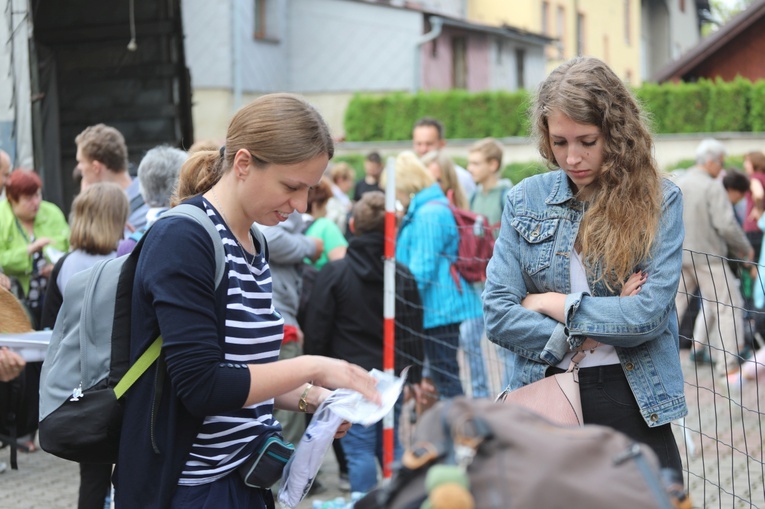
(589, 259)
(221, 378)
(427, 244)
(97, 223)
(443, 170)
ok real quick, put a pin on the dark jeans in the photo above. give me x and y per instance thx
(95, 484)
(441, 345)
(607, 400)
(228, 492)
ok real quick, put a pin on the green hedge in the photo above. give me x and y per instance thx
(703, 106)
(465, 115)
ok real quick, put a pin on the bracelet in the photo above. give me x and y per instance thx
(303, 402)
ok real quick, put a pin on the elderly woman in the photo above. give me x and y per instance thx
(427, 244)
(31, 231)
(157, 176)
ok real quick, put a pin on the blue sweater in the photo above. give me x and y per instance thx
(174, 292)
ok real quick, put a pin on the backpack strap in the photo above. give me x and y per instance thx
(201, 217)
(136, 202)
(151, 354)
(139, 367)
(452, 267)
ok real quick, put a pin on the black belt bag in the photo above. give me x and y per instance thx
(264, 468)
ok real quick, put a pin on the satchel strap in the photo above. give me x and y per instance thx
(574, 366)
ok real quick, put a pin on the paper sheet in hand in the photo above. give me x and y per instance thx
(353, 407)
(342, 404)
(30, 345)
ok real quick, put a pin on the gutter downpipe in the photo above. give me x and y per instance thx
(236, 56)
(436, 24)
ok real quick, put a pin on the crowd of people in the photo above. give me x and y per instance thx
(589, 257)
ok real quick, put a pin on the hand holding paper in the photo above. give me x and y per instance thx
(342, 404)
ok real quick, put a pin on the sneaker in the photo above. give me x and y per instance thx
(344, 484)
(3, 467)
(317, 488)
(701, 356)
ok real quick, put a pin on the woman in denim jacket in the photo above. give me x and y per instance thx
(427, 243)
(589, 258)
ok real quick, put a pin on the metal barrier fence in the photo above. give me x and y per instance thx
(721, 439)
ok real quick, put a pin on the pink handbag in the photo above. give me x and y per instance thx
(554, 397)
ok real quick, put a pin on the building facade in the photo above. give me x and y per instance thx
(327, 50)
(634, 37)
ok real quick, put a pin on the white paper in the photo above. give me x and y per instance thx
(30, 345)
(353, 407)
(341, 405)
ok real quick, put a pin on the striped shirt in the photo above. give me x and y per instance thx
(254, 331)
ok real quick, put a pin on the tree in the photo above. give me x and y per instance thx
(719, 13)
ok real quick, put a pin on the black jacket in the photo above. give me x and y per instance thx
(345, 317)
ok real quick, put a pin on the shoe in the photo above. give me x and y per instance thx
(701, 356)
(317, 488)
(3, 467)
(344, 484)
(745, 354)
(27, 446)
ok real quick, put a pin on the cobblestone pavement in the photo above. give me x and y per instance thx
(44, 481)
(721, 442)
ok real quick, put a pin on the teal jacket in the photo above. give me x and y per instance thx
(427, 244)
(14, 259)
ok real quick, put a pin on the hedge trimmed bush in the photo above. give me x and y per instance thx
(757, 107)
(728, 108)
(703, 106)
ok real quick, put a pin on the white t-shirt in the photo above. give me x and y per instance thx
(603, 354)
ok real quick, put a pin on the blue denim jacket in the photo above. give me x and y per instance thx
(427, 244)
(532, 255)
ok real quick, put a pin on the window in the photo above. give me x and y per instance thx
(546, 18)
(265, 20)
(500, 47)
(682, 5)
(561, 26)
(580, 50)
(520, 68)
(627, 22)
(459, 62)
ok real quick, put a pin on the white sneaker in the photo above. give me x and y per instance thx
(3, 467)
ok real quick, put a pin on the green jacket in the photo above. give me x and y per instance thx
(14, 260)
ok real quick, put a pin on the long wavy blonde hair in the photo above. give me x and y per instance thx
(619, 226)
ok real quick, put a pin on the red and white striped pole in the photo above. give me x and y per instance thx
(389, 306)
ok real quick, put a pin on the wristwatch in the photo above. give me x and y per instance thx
(303, 402)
